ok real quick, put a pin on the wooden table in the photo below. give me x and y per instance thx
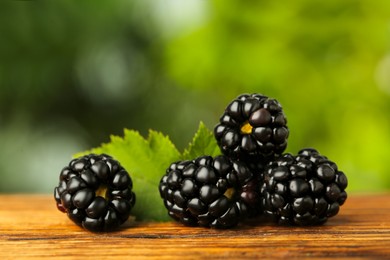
(32, 227)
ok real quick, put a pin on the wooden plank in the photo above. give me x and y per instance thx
(32, 227)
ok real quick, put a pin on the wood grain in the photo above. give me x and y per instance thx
(32, 227)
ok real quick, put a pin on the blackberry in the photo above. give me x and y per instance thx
(96, 192)
(252, 127)
(306, 189)
(210, 192)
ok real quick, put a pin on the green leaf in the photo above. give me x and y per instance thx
(146, 161)
(203, 143)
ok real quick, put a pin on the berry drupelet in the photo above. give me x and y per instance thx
(252, 127)
(306, 189)
(211, 192)
(96, 192)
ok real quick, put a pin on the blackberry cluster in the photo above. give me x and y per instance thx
(253, 176)
(96, 192)
(213, 192)
(306, 189)
(252, 127)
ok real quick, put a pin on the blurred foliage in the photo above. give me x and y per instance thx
(74, 72)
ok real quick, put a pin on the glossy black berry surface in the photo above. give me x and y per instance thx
(306, 189)
(252, 126)
(211, 192)
(96, 192)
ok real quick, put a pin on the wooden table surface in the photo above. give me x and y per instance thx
(32, 227)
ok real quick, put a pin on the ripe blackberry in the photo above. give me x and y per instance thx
(211, 192)
(96, 192)
(306, 189)
(252, 126)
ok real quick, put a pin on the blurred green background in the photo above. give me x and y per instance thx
(74, 72)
